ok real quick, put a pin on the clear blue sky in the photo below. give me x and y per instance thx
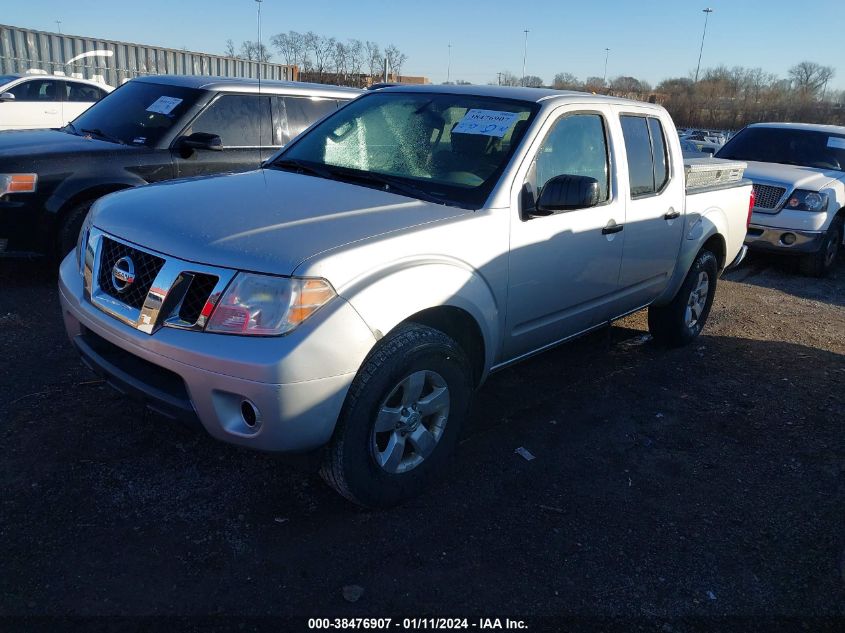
(651, 40)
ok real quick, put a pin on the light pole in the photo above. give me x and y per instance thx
(59, 26)
(707, 13)
(259, 51)
(524, 56)
(606, 55)
(449, 66)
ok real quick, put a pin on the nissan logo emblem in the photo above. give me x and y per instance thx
(123, 274)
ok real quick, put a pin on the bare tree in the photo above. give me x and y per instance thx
(395, 59)
(507, 78)
(594, 84)
(532, 81)
(566, 81)
(810, 78)
(319, 47)
(230, 49)
(255, 51)
(339, 55)
(357, 59)
(291, 47)
(375, 61)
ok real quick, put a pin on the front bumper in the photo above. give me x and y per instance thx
(773, 239)
(204, 377)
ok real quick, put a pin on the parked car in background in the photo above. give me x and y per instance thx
(358, 289)
(45, 101)
(704, 144)
(149, 130)
(798, 172)
(690, 150)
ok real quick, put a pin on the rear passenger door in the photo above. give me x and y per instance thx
(37, 104)
(654, 215)
(244, 124)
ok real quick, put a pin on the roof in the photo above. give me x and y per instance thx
(811, 127)
(537, 95)
(235, 84)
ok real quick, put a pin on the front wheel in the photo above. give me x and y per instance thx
(820, 263)
(679, 322)
(401, 418)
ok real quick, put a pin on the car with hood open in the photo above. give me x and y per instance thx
(349, 297)
(149, 130)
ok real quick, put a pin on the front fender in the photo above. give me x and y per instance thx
(390, 296)
(74, 188)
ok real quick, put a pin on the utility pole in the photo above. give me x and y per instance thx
(524, 56)
(59, 26)
(500, 78)
(449, 66)
(606, 55)
(707, 13)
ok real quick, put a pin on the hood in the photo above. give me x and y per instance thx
(38, 143)
(792, 175)
(264, 221)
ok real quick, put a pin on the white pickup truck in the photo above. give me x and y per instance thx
(798, 171)
(352, 294)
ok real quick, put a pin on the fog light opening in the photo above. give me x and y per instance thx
(788, 239)
(249, 413)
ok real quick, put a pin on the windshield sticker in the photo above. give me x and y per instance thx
(486, 122)
(836, 142)
(164, 105)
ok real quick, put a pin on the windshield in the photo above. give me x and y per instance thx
(447, 148)
(137, 113)
(806, 148)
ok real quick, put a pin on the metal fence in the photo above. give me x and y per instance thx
(23, 50)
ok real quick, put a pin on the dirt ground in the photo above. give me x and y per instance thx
(672, 489)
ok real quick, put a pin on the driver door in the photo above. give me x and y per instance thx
(564, 267)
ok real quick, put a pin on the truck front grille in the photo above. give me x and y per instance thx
(146, 266)
(198, 293)
(154, 290)
(767, 196)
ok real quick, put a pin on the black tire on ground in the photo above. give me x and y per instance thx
(679, 322)
(820, 263)
(69, 229)
(350, 463)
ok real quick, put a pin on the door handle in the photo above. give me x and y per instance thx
(672, 215)
(612, 228)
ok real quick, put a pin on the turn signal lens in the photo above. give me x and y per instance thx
(18, 183)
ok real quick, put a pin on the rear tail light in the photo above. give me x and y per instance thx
(751, 202)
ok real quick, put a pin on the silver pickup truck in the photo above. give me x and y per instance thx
(352, 294)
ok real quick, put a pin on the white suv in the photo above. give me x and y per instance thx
(45, 101)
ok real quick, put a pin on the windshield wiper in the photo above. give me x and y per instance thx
(391, 184)
(106, 137)
(301, 167)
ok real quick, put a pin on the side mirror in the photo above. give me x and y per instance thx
(201, 140)
(566, 192)
(7, 96)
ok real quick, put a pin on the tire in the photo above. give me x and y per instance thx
(822, 262)
(682, 320)
(68, 233)
(381, 468)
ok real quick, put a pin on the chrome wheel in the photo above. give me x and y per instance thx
(697, 300)
(410, 422)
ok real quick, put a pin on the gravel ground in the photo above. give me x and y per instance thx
(671, 489)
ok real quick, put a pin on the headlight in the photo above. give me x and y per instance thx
(807, 201)
(82, 242)
(267, 306)
(17, 183)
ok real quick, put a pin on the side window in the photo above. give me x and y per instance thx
(661, 161)
(577, 146)
(37, 90)
(77, 92)
(645, 146)
(302, 112)
(239, 121)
